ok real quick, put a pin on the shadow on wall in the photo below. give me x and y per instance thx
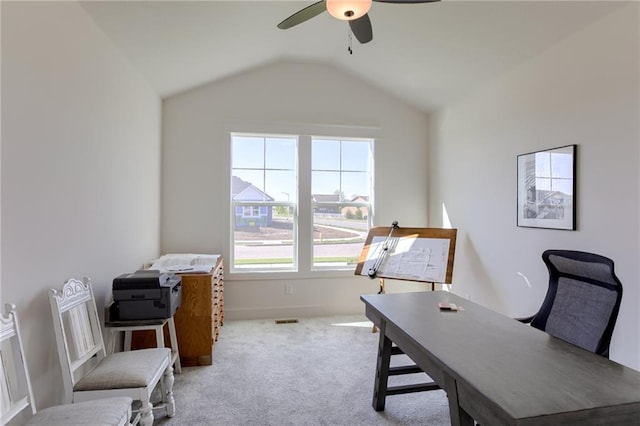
(485, 293)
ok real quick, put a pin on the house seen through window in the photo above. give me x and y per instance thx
(289, 213)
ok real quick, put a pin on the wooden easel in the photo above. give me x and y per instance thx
(382, 289)
(396, 232)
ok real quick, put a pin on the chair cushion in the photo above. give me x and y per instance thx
(131, 369)
(100, 412)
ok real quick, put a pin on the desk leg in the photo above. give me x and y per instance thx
(459, 417)
(174, 346)
(159, 337)
(111, 341)
(382, 370)
(127, 340)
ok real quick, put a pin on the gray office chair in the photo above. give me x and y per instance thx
(582, 301)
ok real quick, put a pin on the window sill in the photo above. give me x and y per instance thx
(284, 275)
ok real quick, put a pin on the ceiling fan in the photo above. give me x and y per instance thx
(354, 11)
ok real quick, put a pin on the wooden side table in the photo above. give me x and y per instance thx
(115, 327)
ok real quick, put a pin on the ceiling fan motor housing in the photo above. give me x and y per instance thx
(348, 10)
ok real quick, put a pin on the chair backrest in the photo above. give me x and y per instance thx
(77, 329)
(16, 394)
(583, 299)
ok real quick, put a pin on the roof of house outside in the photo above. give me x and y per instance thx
(246, 191)
(360, 197)
(326, 198)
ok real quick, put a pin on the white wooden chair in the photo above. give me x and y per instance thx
(88, 372)
(16, 396)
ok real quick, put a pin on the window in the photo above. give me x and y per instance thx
(272, 182)
(251, 211)
(263, 201)
(341, 181)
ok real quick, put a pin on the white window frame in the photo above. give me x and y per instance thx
(291, 205)
(344, 203)
(303, 209)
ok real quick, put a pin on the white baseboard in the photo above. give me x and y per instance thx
(292, 312)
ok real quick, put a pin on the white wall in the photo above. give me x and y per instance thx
(80, 168)
(275, 98)
(584, 91)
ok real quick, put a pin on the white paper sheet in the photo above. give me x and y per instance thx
(185, 263)
(409, 258)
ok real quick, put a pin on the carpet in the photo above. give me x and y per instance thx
(318, 371)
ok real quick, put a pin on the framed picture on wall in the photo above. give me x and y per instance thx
(547, 189)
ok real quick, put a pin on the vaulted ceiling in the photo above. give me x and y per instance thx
(427, 54)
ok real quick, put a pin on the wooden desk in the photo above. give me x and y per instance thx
(497, 370)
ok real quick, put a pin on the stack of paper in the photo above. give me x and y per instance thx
(185, 263)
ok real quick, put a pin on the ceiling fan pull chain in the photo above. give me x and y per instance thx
(350, 39)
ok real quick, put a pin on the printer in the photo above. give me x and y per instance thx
(145, 295)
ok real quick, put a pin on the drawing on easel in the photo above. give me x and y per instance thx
(413, 259)
(412, 254)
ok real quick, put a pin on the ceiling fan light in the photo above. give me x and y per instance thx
(348, 10)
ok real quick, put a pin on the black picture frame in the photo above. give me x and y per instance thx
(547, 189)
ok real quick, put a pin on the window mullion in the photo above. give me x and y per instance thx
(305, 208)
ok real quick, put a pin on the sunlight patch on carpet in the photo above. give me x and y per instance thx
(368, 324)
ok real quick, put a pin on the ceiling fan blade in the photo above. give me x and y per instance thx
(406, 1)
(303, 15)
(361, 28)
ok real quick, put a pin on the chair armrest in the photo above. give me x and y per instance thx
(525, 320)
